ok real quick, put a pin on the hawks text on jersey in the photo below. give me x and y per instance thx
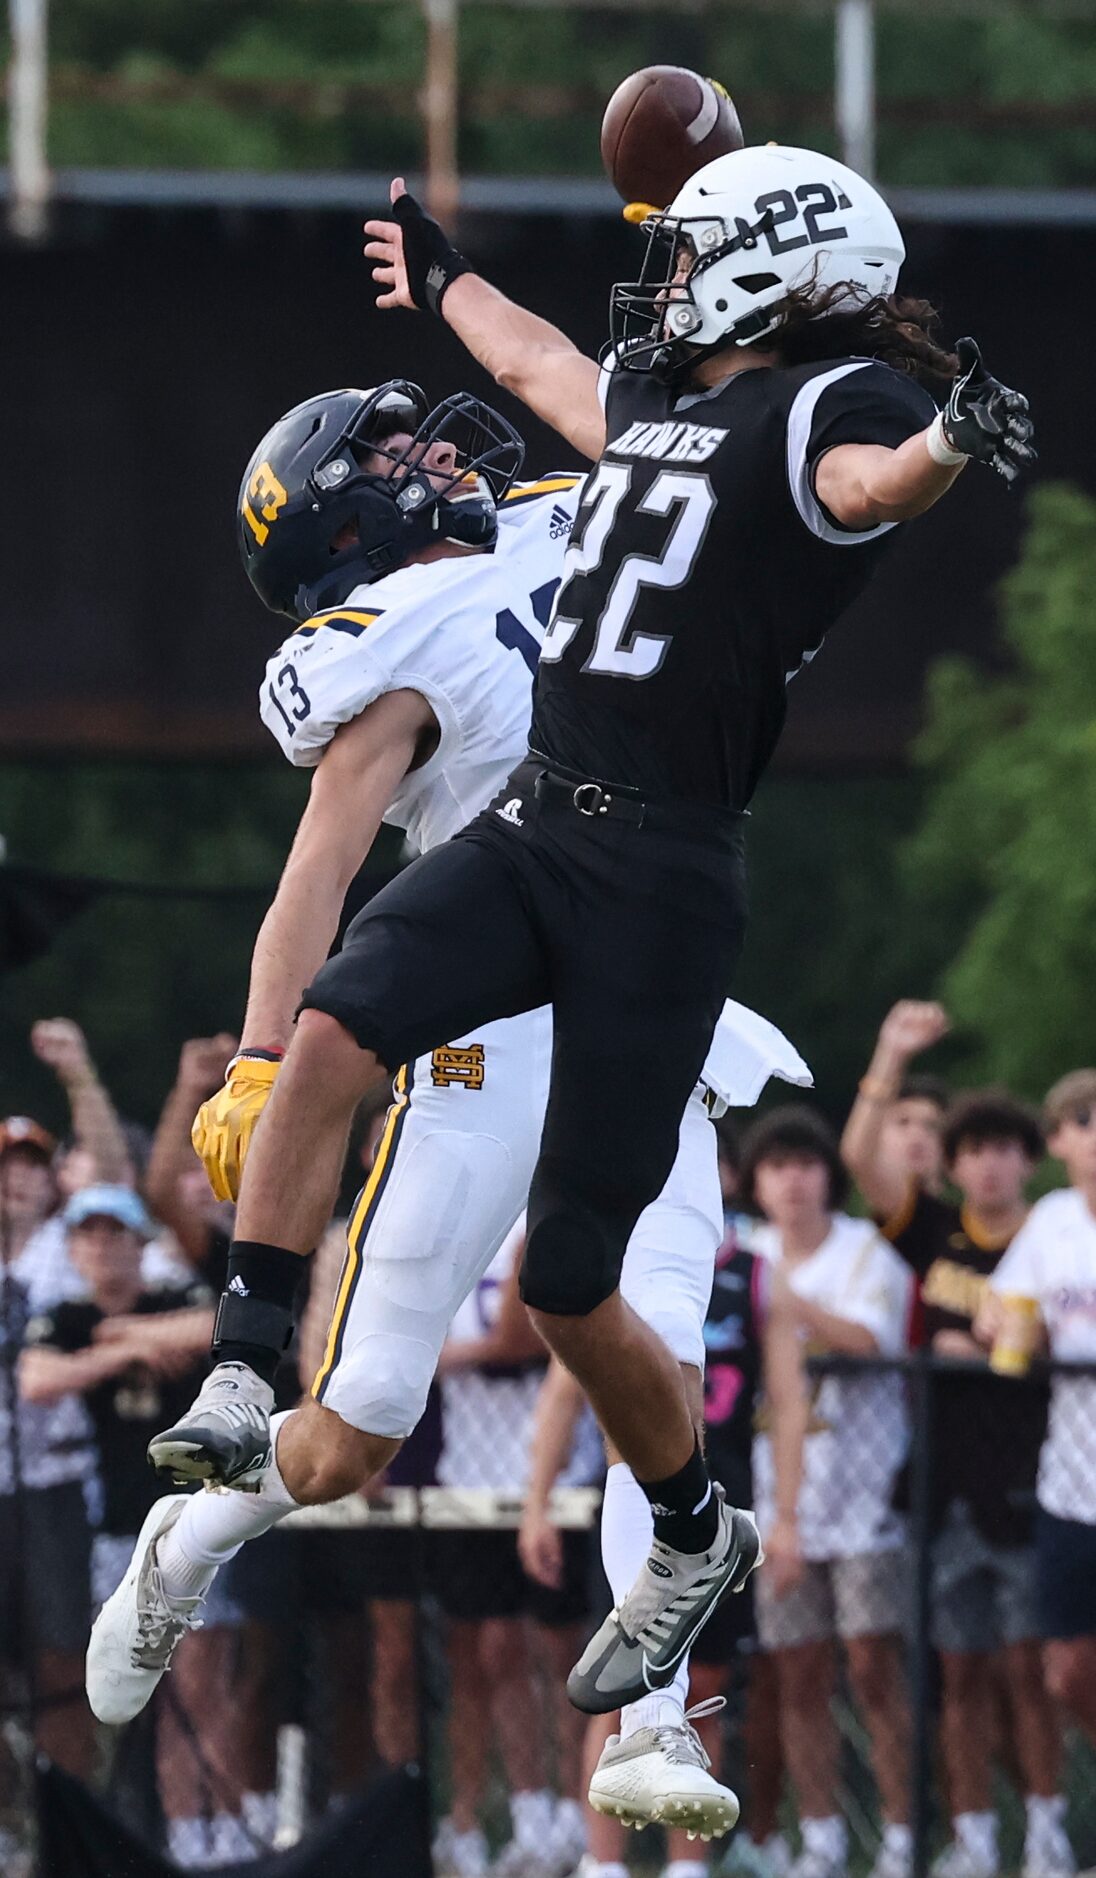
(703, 572)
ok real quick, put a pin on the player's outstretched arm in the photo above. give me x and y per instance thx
(417, 267)
(862, 485)
(353, 785)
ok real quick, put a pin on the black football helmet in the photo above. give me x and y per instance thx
(304, 488)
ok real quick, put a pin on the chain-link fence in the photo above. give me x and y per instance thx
(382, 1673)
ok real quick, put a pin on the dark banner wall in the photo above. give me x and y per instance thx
(146, 352)
(384, 1834)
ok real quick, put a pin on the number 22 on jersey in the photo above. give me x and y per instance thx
(618, 652)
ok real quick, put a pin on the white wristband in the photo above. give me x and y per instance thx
(938, 446)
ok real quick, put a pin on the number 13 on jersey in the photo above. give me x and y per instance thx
(617, 651)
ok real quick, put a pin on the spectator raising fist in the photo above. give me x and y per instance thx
(891, 1141)
(61, 1044)
(910, 1027)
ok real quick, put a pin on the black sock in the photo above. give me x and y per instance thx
(685, 1506)
(255, 1318)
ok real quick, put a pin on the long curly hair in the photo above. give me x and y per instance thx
(835, 322)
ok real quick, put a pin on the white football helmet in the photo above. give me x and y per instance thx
(737, 238)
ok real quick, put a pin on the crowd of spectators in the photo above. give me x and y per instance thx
(911, 1234)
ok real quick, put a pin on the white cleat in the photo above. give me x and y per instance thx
(459, 1854)
(958, 1861)
(518, 1861)
(661, 1776)
(135, 1633)
(1048, 1853)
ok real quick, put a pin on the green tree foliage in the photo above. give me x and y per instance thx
(1000, 97)
(1003, 857)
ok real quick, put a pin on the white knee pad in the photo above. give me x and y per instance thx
(382, 1385)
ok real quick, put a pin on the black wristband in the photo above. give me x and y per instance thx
(256, 1307)
(431, 260)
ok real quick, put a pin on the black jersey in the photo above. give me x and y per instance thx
(732, 1373)
(703, 572)
(128, 1409)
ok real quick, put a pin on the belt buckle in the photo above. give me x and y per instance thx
(598, 799)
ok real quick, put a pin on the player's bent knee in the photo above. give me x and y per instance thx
(322, 1458)
(559, 1291)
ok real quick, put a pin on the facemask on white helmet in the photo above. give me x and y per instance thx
(738, 238)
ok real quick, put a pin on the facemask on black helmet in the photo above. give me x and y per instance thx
(348, 486)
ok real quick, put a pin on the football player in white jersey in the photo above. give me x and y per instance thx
(406, 685)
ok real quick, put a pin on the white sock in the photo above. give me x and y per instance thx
(232, 1842)
(569, 1818)
(213, 1526)
(260, 1814)
(627, 1528)
(189, 1843)
(685, 1868)
(898, 1838)
(531, 1815)
(1045, 1812)
(977, 1834)
(827, 1839)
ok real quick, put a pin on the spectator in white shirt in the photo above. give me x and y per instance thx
(1051, 1263)
(850, 1294)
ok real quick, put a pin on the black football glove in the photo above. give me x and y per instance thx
(983, 419)
(431, 260)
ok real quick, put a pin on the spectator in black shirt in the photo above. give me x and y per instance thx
(132, 1353)
(897, 1117)
(987, 1433)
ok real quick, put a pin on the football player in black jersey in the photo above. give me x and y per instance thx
(760, 432)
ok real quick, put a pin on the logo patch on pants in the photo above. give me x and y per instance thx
(464, 1066)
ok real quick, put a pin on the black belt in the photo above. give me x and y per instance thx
(592, 798)
(599, 801)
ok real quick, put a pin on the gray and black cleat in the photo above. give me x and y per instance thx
(642, 1641)
(224, 1437)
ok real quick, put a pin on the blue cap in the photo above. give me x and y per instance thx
(103, 1202)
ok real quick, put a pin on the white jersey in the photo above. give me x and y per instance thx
(859, 1432)
(1053, 1260)
(464, 632)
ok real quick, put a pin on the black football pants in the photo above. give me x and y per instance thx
(630, 932)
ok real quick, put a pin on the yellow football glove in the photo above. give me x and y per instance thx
(224, 1125)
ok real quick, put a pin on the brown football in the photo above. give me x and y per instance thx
(661, 125)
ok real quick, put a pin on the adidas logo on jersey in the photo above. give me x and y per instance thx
(674, 443)
(237, 1287)
(509, 812)
(559, 523)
